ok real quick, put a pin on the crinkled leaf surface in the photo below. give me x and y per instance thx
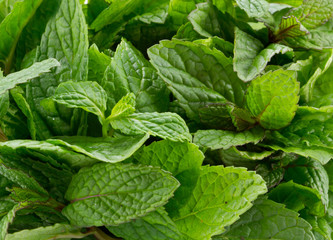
(290, 27)
(27, 74)
(87, 95)
(165, 125)
(124, 107)
(66, 39)
(220, 139)
(313, 13)
(107, 149)
(6, 220)
(216, 202)
(269, 220)
(130, 72)
(257, 9)
(251, 57)
(196, 74)
(98, 63)
(154, 226)
(109, 194)
(180, 9)
(273, 97)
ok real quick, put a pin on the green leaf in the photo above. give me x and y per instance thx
(45, 151)
(196, 75)
(269, 220)
(271, 173)
(108, 149)
(4, 104)
(257, 9)
(98, 63)
(220, 139)
(183, 160)
(313, 13)
(251, 56)
(6, 220)
(290, 27)
(154, 226)
(310, 173)
(273, 97)
(11, 28)
(89, 96)
(124, 107)
(220, 196)
(22, 179)
(206, 20)
(309, 135)
(131, 72)
(69, 46)
(317, 39)
(45, 233)
(156, 12)
(293, 3)
(297, 197)
(109, 194)
(6, 7)
(219, 43)
(27, 74)
(186, 32)
(320, 227)
(165, 125)
(180, 9)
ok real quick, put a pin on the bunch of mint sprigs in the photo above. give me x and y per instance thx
(166, 119)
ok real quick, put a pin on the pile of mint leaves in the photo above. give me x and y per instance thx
(166, 119)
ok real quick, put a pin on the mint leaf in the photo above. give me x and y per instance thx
(220, 139)
(251, 57)
(257, 9)
(214, 203)
(6, 220)
(11, 28)
(309, 135)
(269, 220)
(316, 39)
(98, 63)
(37, 69)
(89, 96)
(297, 197)
(70, 47)
(273, 97)
(165, 125)
(290, 27)
(130, 72)
(180, 9)
(196, 74)
(108, 149)
(313, 13)
(45, 151)
(4, 104)
(109, 194)
(310, 173)
(124, 107)
(22, 179)
(56, 231)
(156, 12)
(155, 226)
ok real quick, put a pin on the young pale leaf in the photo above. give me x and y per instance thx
(269, 220)
(196, 74)
(165, 125)
(6, 220)
(251, 57)
(309, 135)
(27, 74)
(89, 96)
(22, 179)
(313, 13)
(220, 196)
(180, 9)
(108, 149)
(45, 233)
(310, 173)
(220, 139)
(154, 226)
(11, 28)
(124, 107)
(273, 97)
(130, 72)
(110, 194)
(69, 46)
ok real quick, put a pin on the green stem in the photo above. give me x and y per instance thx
(105, 129)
